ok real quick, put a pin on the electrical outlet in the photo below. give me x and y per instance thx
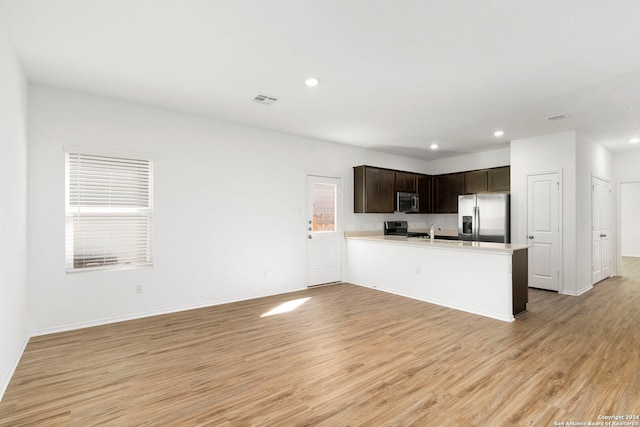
(139, 288)
(418, 270)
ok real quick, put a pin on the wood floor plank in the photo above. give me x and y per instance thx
(347, 356)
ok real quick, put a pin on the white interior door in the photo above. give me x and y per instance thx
(543, 230)
(600, 229)
(324, 230)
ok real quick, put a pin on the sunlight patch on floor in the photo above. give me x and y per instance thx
(286, 307)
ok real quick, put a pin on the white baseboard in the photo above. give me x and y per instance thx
(577, 293)
(106, 321)
(5, 381)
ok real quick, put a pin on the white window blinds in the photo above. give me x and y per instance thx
(108, 211)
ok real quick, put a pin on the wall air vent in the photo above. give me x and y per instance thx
(264, 99)
(558, 117)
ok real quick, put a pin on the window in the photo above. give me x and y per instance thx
(324, 207)
(108, 210)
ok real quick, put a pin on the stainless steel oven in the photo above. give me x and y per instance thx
(401, 228)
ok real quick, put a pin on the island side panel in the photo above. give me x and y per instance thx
(520, 273)
(474, 281)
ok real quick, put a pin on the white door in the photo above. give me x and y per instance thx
(543, 230)
(324, 198)
(600, 229)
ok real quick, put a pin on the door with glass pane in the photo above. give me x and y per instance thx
(324, 199)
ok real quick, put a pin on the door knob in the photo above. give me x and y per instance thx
(310, 236)
(530, 236)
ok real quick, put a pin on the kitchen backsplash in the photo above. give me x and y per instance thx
(374, 222)
(444, 221)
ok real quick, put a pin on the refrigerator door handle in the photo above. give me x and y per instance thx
(477, 228)
(474, 227)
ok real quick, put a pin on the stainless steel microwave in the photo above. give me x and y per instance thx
(407, 202)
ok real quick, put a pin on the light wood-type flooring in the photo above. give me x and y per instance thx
(348, 356)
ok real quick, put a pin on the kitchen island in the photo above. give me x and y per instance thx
(489, 279)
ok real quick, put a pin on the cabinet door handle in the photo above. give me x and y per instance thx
(310, 236)
(530, 236)
(603, 235)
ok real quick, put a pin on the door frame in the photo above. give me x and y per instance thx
(560, 220)
(339, 220)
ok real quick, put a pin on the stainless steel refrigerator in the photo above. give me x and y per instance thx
(484, 217)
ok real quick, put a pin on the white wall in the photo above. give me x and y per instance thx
(626, 171)
(629, 217)
(13, 223)
(592, 160)
(626, 165)
(230, 205)
(467, 162)
(578, 159)
(541, 154)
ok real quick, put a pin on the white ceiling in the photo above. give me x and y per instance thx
(396, 75)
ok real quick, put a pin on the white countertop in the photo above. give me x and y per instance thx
(439, 244)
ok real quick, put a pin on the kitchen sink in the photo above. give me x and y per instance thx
(446, 237)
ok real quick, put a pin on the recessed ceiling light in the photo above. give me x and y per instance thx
(312, 81)
(434, 146)
(498, 133)
(634, 140)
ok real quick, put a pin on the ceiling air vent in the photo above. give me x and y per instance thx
(558, 117)
(264, 99)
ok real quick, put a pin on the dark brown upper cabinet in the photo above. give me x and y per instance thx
(476, 181)
(373, 190)
(424, 193)
(495, 179)
(406, 182)
(457, 188)
(446, 189)
(500, 179)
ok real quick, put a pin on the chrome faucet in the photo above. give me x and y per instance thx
(433, 231)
